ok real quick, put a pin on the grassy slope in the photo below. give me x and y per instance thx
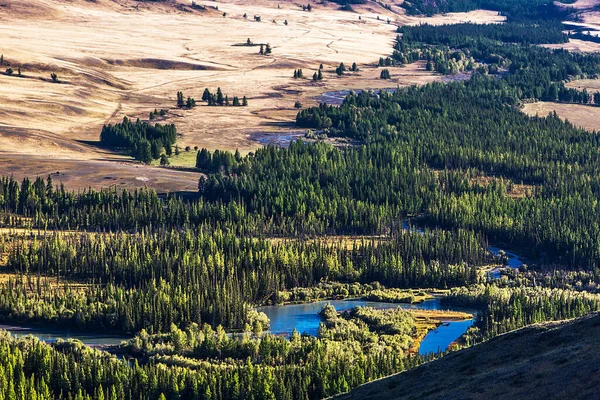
(545, 361)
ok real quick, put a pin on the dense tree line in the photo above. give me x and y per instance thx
(509, 308)
(275, 368)
(513, 9)
(468, 34)
(151, 281)
(141, 139)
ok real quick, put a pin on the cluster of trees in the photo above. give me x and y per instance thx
(154, 114)
(318, 76)
(394, 329)
(340, 69)
(142, 140)
(182, 102)
(397, 296)
(339, 290)
(265, 50)
(219, 161)
(298, 73)
(385, 74)
(218, 99)
(386, 62)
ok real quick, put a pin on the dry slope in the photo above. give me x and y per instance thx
(559, 360)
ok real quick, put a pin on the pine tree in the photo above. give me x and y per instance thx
(164, 161)
(203, 159)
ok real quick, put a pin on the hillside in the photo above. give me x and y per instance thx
(558, 360)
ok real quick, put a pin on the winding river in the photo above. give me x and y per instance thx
(512, 260)
(305, 319)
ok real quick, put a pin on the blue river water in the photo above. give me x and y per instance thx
(305, 318)
(49, 335)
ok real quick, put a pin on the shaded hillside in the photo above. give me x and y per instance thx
(558, 360)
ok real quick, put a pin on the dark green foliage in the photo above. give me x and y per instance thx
(189, 103)
(139, 138)
(467, 34)
(385, 74)
(219, 99)
(164, 161)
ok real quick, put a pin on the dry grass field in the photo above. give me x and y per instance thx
(583, 116)
(123, 57)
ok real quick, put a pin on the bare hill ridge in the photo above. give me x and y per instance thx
(557, 360)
